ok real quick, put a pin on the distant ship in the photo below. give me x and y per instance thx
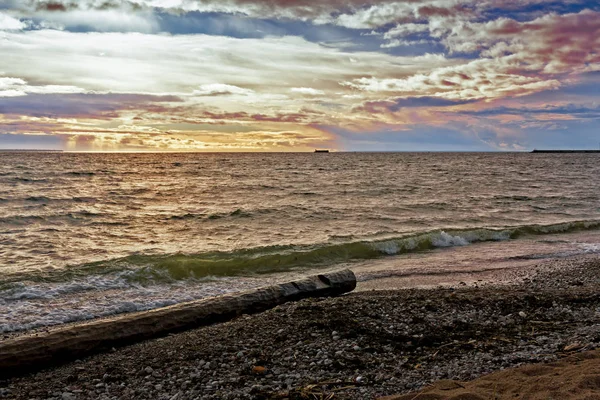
(321, 151)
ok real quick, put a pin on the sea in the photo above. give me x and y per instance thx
(87, 235)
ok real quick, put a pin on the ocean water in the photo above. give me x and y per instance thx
(87, 235)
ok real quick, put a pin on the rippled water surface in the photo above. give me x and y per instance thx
(144, 230)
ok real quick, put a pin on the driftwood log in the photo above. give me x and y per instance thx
(29, 353)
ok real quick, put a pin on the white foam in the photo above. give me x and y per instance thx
(590, 247)
(39, 291)
(29, 306)
(390, 247)
(444, 239)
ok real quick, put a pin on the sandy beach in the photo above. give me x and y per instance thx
(364, 345)
(573, 377)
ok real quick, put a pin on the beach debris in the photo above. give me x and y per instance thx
(473, 334)
(259, 370)
(59, 345)
(573, 347)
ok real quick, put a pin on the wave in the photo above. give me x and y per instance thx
(45, 199)
(36, 199)
(80, 173)
(75, 216)
(21, 219)
(84, 199)
(30, 180)
(236, 213)
(186, 216)
(149, 269)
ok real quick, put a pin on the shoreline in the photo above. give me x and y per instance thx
(32, 302)
(362, 345)
(30, 353)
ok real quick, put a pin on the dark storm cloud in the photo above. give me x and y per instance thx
(64, 6)
(95, 106)
(411, 102)
(576, 110)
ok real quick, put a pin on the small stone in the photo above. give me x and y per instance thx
(522, 314)
(258, 370)
(255, 388)
(148, 370)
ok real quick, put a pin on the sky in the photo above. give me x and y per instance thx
(295, 75)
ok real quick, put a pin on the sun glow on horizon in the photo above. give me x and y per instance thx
(284, 76)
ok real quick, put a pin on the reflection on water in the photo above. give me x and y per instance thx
(144, 230)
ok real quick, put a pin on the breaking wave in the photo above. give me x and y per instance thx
(149, 269)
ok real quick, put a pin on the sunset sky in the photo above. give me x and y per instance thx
(294, 75)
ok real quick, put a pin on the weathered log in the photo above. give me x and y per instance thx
(57, 346)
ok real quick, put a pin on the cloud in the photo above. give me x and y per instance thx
(354, 14)
(92, 106)
(74, 5)
(221, 89)
(551, 44)
(13, 87)
(400, 43)
(71, 136)
(136, 73)
(129, 63)
(478, 79)
(84, 15)
(307, 91)
(403, 30)
(382, 13)
(196, 115)
(51, 6)
(548, 112)
(8, 23)
(261, 8)
(411, 102)
(101, 21)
